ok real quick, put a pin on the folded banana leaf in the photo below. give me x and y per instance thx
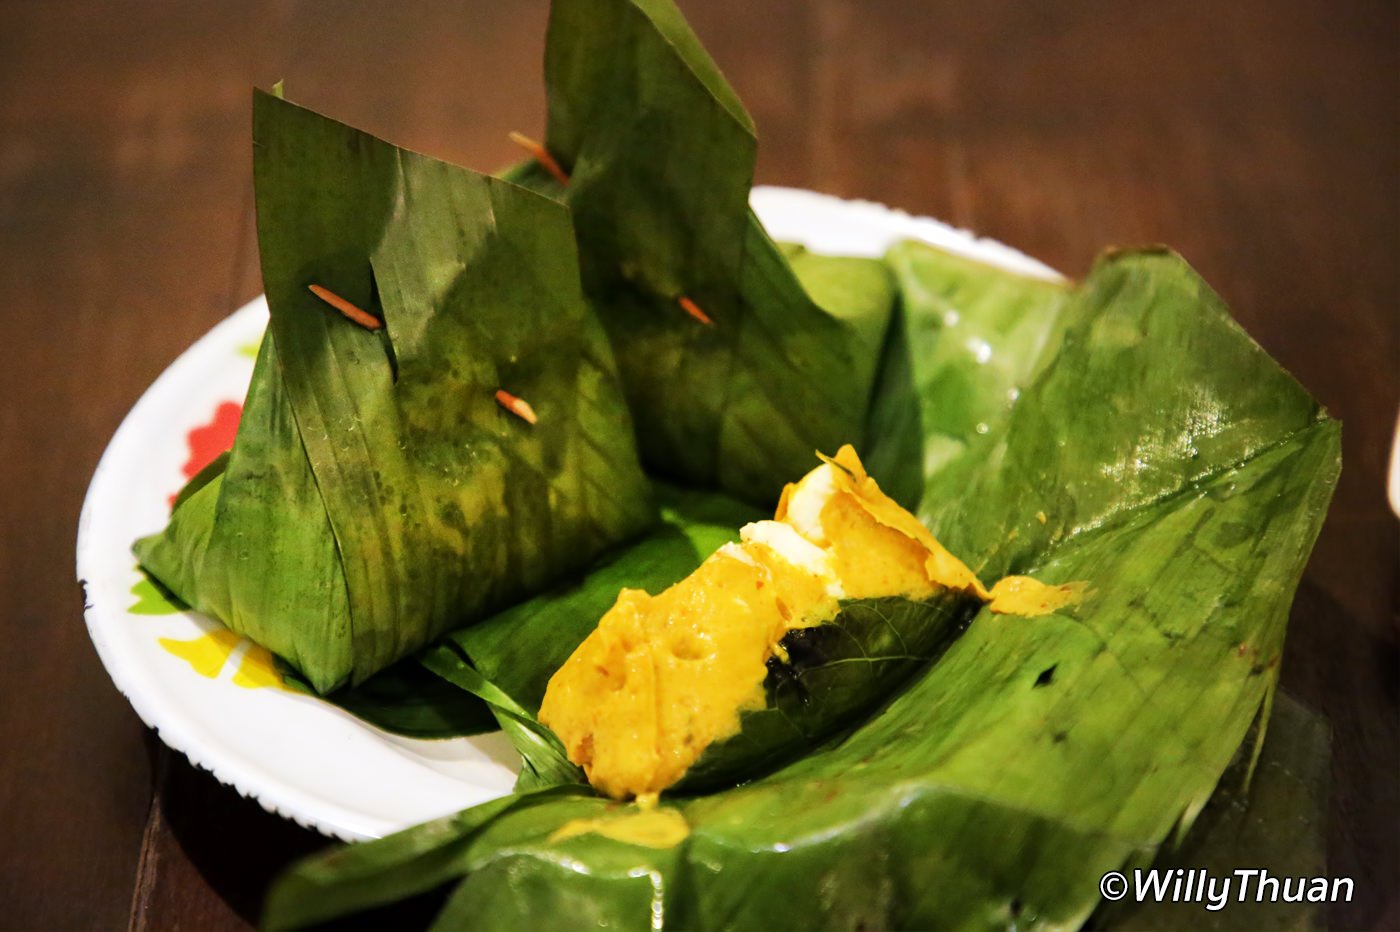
(964, 341)
(1084, 407)
(660, 156)
(1131, 435)
(378, 493)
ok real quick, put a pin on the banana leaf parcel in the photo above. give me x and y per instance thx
(1123, 431)
(379, 493)
(734, 373)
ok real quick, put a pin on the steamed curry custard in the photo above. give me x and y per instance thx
(773, 644)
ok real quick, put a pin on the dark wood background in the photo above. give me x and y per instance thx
(1261, 138)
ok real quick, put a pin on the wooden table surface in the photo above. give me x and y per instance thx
(1259, 138)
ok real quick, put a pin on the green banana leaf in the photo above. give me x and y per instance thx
(1131, 435)
(1274, 821)
(964, 342)
(660, 155)
(377, 495)
(1127, 391)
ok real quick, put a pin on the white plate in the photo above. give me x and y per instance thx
(300, 757)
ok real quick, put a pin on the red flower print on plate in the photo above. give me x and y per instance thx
(211, 438)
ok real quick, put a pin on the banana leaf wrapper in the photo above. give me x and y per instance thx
(660, 155)
(377, 495)
(1150, 448)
